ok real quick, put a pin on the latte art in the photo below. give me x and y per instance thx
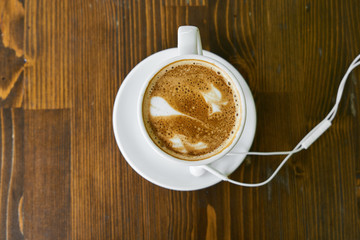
(191, 110)
(214, 98)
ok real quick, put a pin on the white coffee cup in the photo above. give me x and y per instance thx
(189, 48)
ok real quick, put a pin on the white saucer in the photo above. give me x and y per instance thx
(143, 159)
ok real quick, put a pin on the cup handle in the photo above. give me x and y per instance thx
(189, 41)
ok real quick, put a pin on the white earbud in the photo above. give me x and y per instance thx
(197, 171)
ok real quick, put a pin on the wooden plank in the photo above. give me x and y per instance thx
(280, 47)
(12, 25)
(351, 100)
(329, 54)
(11, 78)
(11, 53)
(232, 35)
(48, 52)
(330, 206)
(105, 192)
(326, 57)
(47, 205)
(11, 174)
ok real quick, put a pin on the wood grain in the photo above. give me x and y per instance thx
(12, 25)
(12, 173)
(11, 52)
(48, 54)
(47, 174)
(11, 78)
(62, 175)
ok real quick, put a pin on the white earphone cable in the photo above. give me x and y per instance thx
(266, 153)
(311, 137)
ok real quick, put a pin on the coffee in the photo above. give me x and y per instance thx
(191, 110)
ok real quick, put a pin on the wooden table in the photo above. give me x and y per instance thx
(63, 176)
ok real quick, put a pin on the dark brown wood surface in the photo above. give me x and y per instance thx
(62, 175)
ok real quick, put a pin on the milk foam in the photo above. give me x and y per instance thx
(214, 98)
(160, 107)
(180, 143)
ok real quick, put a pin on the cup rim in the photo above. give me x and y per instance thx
(167, 156)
